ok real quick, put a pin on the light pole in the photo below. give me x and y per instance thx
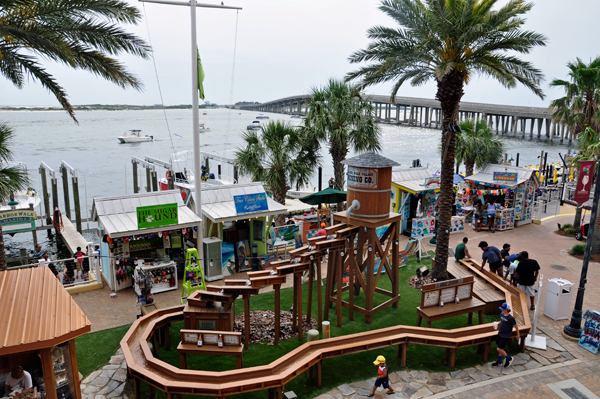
(574, 328)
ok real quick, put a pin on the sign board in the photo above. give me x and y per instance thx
(590, 335)
(17, 220)
(157, 215)
(432, 183)
(584, 181)
(362, 177)
(249, 203)
(505, 176)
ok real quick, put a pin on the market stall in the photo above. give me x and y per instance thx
(240, 216)
(40, 322)
(148, 231)
(415, 194)
(511, 187)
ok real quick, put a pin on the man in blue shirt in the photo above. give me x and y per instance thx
(492, 256)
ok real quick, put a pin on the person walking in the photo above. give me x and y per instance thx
(491, 255)
(491, 215)
(507, 322)
(478, 209)
(462, 251)
(382, 377)
(527, 274)
(78, 256)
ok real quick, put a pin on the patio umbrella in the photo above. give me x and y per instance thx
(458, 178)
(327, 196)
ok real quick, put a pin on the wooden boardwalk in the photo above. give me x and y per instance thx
(71, 236)
(481, 289)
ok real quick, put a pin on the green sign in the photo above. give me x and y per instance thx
(17, 220)
(156, 215)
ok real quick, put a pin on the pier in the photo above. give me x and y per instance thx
(506, 120)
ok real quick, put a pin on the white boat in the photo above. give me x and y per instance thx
(203, 128)
(261, 116)
(296, 116)
(301, 192)
(25, 198)
(134, 136)
(254, 125)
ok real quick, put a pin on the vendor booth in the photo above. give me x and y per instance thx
(40, 321)
(144, 231)
(239, 217)
(415, 196)
(511, 187)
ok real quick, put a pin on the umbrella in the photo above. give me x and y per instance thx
(458, 178)
(327, 196)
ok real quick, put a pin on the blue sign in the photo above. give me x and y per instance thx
(249, 203)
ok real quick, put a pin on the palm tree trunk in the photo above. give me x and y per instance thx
(338, 154)
(450, 91)
(2, 253)
(279, 196)
(469, 166)
(577, 220)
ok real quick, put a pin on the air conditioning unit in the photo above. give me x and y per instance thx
(212, 255)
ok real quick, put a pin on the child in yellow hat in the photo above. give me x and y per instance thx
(382, 377)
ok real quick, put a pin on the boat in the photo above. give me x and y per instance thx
(301, 192)
(24, 198)
(203, 128)
(295, 116)
(134, 136)
(254, 125)
(261, 116)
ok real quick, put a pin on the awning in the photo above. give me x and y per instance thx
(118, 214)
(411, 179)
(295, 205)
(218, 205)
(486, 175)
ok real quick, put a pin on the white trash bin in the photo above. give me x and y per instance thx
(559, 295)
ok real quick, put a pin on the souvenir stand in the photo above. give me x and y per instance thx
(40, 321)
(144, 231)
(513, 188)
(239, 216)
(415, 193)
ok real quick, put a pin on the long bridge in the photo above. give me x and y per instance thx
(508, 120)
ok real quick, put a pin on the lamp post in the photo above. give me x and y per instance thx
(574, 328)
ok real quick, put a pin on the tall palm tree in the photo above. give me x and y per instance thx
(340, 117)
(449, 42)
(82, 34)
(12, 178)
(580, 107)
(476, 145)
(280, 156)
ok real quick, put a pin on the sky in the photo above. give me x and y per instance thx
(284, 48)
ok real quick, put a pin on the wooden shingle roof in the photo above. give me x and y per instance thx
(370, 160)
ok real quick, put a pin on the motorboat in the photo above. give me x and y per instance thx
(203, 128)
(22, 199)
(134, 136)
(254, 125)
(301, 192)
(261, 116)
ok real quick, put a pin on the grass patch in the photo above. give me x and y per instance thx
(577, 249)
(95, 349)
(570, 231)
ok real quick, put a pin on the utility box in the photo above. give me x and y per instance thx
(559, 295)
(213, 259)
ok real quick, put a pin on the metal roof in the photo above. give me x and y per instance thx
(411, 179)
(486, 175)
(118, 214)
(218, 205)
(36, 312)
(370, 160)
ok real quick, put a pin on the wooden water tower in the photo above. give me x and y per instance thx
(369, 180)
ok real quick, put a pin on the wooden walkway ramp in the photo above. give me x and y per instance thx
(482, 289)
(71, 236)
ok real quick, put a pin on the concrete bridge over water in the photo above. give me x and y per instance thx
(507, 120)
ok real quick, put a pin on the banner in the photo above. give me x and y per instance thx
(157, 215)
(506, 176)
(584, 181)
(248, 203)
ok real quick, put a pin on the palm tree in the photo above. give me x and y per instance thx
(82, 34)
(12, 178)
(476, 145)
(280, 156)
(449, 42)
(580, 107)
(341, 118)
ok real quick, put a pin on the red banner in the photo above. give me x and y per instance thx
(584, 181)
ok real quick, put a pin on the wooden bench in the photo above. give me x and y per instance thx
(482, 290)
(232, 345)
(447, 291)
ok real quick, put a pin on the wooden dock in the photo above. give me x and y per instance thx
(71, 237)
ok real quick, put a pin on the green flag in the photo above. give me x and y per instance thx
(200, 77)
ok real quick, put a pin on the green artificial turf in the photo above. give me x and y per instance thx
(95, 349)
(344, 369)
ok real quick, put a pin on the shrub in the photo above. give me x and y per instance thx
(566, 226)
(577, 249)
(570, 231)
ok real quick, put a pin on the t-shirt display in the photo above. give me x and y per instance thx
(526, 271)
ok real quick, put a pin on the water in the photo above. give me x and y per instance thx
(104, 165)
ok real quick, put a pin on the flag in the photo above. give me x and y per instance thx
(584, 182)
(200, 76)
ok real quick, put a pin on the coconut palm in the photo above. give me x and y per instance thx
(580, 107)
(82, 34)
(476, 145)
(449, 42)
(12, 178)
(279, 155)
(340, 117)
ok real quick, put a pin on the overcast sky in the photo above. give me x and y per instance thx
(286, 47)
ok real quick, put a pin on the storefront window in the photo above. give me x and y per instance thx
(63, 371)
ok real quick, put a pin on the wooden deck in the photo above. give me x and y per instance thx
(481, 289)
(71, 237)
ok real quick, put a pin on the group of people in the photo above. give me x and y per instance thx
(490, 208)
(518, 269)
(79, 267)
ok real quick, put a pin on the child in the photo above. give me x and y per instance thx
(382, 376)
(507, 321)
(512, 270)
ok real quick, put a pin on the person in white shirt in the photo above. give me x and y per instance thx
(18, 380)
(44, 260)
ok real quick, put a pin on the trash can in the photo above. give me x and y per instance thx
(559, 295)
